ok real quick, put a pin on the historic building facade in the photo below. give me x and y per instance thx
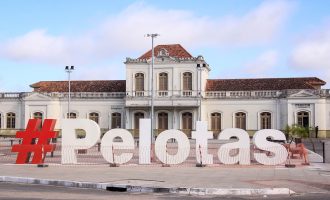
(182, 94)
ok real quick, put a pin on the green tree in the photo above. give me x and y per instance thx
(296, 131)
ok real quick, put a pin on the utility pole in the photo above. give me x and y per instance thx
(152, 35)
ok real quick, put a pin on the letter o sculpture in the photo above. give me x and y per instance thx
(161, 147)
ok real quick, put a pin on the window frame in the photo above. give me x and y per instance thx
(94, 118)
(301, 116)
(265, 120)
(239, 123)
(11, 120)
(72, 114)
(187, 81)
(163, 81)
(139, 82)
(116, 120)
(216, 127)
(137, 120)
(162, 118)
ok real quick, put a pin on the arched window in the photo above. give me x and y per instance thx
(137, 117)
(139, 84)
(72, 115)
(216, 122)
(11, 120)
(187, 84)
(38, 115)
(187, 81)
(303, 119)
(163, 121)
(163, 81)
(240, 119)
(187, 122)
(115, 120)
(94, 116)
(265, 120)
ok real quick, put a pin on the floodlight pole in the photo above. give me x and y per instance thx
(153, 35)
(69, 70)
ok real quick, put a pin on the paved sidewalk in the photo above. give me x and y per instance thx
(219, 179)
(309, 179)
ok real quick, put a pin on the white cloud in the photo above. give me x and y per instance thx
(263, 64)
(313, 52)
(100, 72)
(123, 33)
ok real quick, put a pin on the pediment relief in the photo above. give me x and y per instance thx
(303, 94)
(37, 97)
(163, 59)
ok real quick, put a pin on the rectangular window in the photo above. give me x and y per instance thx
(187, 81)
(240, 119)
(11, 120)
(265, 120)
(116, 120)
(163, 82)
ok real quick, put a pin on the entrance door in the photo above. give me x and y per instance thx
(187, 122)
(137, 117)
(303, 119)
(162, 121)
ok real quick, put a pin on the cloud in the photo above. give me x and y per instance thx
(123, 34)
(313, 52)
(263, 64)
(100, 72)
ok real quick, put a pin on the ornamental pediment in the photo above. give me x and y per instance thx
(35, 96)
(163, 59)
(303, 94)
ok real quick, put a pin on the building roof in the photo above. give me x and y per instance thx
(80, 86)
(173, 50)
(263, 84)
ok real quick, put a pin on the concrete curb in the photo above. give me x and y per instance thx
(131, 188)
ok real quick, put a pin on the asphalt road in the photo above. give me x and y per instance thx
(37, 192)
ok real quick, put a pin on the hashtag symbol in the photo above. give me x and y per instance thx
(35, 141)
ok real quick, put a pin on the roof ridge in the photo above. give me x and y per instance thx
(312, 77)
(78, 80)
(174, 50)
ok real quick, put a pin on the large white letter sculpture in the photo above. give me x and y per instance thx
(109, 146)
(278, 151)
(201, 135)
(183, 147)
(70, 142)
(242, 145)
(121, 152)
(144, 141)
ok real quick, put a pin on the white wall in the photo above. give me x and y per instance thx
(228, 108)
(11, 106)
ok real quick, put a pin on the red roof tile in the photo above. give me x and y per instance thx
(263, 84)
(174, 50)
(80, 86)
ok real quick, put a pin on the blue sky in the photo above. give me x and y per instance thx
(238, 38)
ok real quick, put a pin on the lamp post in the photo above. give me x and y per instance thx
(152, 35)
(69, 70)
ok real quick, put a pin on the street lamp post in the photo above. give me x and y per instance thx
(69, 70)
(152, 35)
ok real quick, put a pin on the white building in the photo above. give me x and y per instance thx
(182, 94)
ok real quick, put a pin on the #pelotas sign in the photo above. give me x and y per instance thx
(271, 153)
